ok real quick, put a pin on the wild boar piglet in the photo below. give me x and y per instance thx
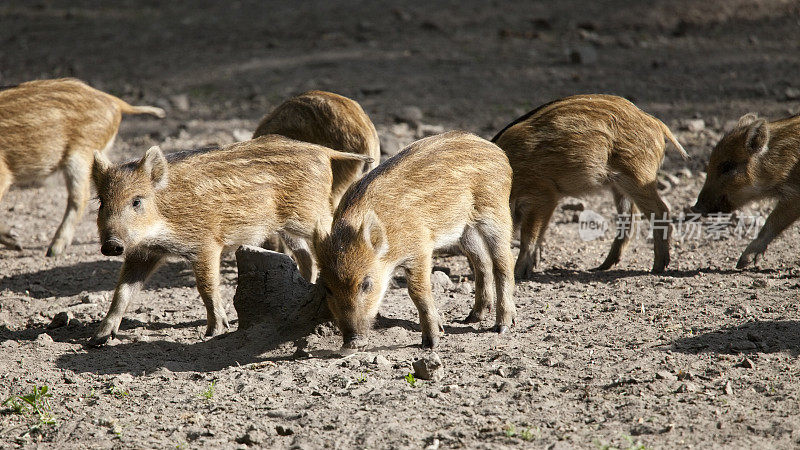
(57, 125)
(755, 160)
(448, 189)
(194, 204)
(577, 145)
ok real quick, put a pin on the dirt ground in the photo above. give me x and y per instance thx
(701, 356)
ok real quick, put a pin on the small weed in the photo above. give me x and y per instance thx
(526, 434)
(361, 378)
(208, 394)
(631, 444)
(510, 431)
(411, 380)
(118, 392)
(36, 404)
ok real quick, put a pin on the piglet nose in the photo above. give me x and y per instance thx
(112, 247)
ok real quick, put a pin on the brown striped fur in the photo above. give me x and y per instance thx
(194, 204)
(439, 191)
(574, 146)
(755, 160)
(52, 125)
(330, 120)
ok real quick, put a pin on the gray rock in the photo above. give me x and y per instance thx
(792, 93)
(728, 389)
(429, 367)
(253, 437)
(440, 282)
(381, 361)
(241, 134)
(425, 130)
(666, 375)
(59, 320)
(44, 339)
(92, 297)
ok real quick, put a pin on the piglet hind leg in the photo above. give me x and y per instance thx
(206, 272)
(419, 289)
(786, 212)
(7, 237)
(76, 175)
(134, 273)
(496, 234)
(475, 248)
(623, 236)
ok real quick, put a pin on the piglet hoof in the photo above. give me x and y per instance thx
(502, 329)
(430, 341)
(216, 329)
(747, 259)
(354, 343)
(473, 317)
(605, 266)
(9, 239)
(660, 266)
(56, 248)
(99, 340)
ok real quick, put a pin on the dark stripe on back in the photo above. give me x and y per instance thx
(522, 118)
(8, 86)
(174, 156)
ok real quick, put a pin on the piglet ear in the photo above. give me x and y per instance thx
(747, 120)
(100, 168)
(374, 234)
(757, 137)
(154, 165)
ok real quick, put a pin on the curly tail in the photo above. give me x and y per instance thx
(129, 109)
(671, 137)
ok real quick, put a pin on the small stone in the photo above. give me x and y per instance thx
(180, 102)
(695, 125)
(792, 93)
(425, 130)
(585, 54)
(254, 437)
(434, 445)
(429, 367)
(728, 389)
(9, 344)
(381, 361)
(44, 339)
(284, 431)
(409, 114)
(92, 297)
(59, 320)
(666, 375)
(463, 288)
(450, 388)
(759, 283)
(686, 387)
(684, 172)
(440, 281)
(747, 363)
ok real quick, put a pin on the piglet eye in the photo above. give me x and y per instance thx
(366, 284)
(137, 202)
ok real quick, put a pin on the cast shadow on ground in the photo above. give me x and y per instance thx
(230, 349)
(770, 336)
(589, 276)
(93, 276)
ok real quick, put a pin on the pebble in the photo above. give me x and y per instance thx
(381, 361)
(666, 375)
(44, 339)
(760, 283)
(409, 114)
(440, 281)
(728, 389)
(92, 297)
(792, 93)
(429, 367)
(695, 125)
(463, 288)
(242, 135)
(747, 363)
(59, 320)
(254, 437)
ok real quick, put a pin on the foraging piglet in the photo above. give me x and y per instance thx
(330, 120)
(755, 160)
(193, 204)
(573, 146)
(441, 190)
(51, 125)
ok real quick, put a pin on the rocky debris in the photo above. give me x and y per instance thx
(59, 320)
(92, 297)
(760, 283)
(791, 93)
(440, 282)
(747, 363)
(666, 375)
(271, 290)
(738, 311)
(728, 389)
(429, 367)
(284, 431)
(583, 54)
